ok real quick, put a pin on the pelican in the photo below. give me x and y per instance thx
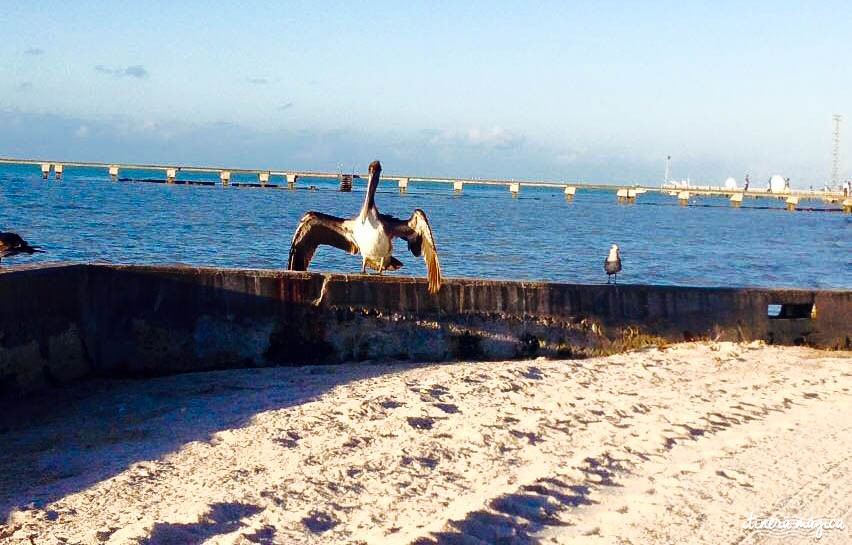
(12, 244)
(612, 264)
(370, 234)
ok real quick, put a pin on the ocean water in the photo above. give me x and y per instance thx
(483, 232)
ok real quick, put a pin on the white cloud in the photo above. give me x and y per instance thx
(82, 131)
(493, 138)
(135, 71)
(567, 157)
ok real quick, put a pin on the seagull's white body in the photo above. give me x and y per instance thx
(613, 254)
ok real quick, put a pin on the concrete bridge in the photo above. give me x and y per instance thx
(624, 194)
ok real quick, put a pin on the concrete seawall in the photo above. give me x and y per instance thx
(63, 322)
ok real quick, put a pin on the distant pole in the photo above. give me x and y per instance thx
(668, 169)
(835, 155)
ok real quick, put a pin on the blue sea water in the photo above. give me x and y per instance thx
(483, 232)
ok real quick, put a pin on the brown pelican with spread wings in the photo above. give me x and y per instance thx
(369, 234)
(12, 244)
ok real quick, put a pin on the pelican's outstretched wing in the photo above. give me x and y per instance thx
(417, 232)
(314, 229)
(12, 243)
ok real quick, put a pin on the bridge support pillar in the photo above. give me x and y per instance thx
(45, 170)
(225, 177)
(458, 186)
(570, 191)
(57, 170)
(291, 179)
(171, 174)
(736, 200)
(403, 185)
(113, 172)
(263, 177)
(847, 206)
(514, 188)
(683, 198)
(792, 202)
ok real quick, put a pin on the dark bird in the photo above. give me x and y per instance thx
(12, 244)
(612, 264)
(369, 234)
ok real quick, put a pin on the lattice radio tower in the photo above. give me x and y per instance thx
(835, 154)
(668, 168)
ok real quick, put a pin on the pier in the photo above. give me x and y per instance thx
(626, 194)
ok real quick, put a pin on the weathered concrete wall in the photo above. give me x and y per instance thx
(64, 322)
(40, 336)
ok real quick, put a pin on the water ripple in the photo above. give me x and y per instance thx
(481, 233)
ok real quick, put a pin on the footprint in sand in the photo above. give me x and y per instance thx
(532, 507)
(448, 408)
(319, 522)
(353, 442)
(428, 461)
(291, 441)
(532, 373)
(741, 478)
(421, 423)
(425, 461)
(263, 536)
(531, 437)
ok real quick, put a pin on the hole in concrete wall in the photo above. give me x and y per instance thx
(8, 385)
(529, 345)
(468, 346)
(790, 311)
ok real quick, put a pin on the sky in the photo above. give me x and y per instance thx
(563, 91)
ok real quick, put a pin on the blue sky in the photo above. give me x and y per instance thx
(591, 91)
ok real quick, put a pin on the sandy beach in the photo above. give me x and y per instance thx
(664, 445)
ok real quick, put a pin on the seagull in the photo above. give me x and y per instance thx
(612, 264)
(12, 244)
(370, 234)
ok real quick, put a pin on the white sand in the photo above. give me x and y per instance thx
(659, 446)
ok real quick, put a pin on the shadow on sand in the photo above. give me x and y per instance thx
(127, 323)
(222, 518)
(69, 439)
